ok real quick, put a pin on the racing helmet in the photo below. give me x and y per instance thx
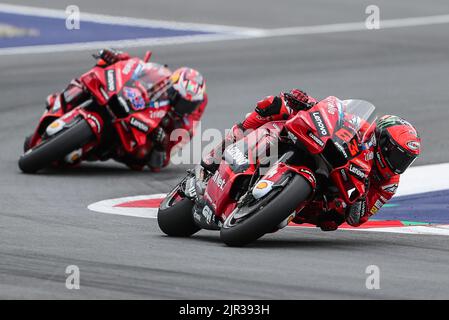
(187, 90)
(398, 145)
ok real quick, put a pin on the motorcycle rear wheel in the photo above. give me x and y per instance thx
(266, 217)
(175, 218)
(26, 143)
(56, 148)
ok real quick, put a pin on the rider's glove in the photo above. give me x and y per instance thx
(111, 56)
(337, 205)
(332, 214)
(298, 100)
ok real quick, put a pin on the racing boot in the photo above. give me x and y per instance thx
(158, 159)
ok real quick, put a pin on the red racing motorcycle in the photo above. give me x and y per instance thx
(109, 115)
(320, 154)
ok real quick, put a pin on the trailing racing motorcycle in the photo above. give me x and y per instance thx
(104, 118)
(321, 155)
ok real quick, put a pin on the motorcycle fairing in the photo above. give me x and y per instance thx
(334, 129)
(240, 160)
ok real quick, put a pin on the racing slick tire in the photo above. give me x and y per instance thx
(176, 219)
(26, 143)
(267, 216)
(56, 148)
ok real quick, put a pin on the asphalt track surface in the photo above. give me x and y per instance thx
(45, 225)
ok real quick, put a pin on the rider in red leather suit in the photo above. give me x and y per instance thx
(186, 96)
(395, 146)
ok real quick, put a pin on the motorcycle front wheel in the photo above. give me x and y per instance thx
(266, 214)
(175, 216)
(56, 148)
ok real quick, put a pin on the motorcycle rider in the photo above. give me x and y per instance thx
(184, 90)
(394, 144)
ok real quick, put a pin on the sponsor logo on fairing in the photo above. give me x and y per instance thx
(357, 171)
(207, 213)
(343, 175)
(139, 125)
(331, 108)
(237, 155)
(159, 103)
(218, 179)
(128, 67)
(55, 127)
(262, 188)
(316, 139)
(157, 114)
(110, 78)
(342, 150)
(319, 124)
(124, 104)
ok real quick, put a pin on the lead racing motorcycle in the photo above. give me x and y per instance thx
(320, 154)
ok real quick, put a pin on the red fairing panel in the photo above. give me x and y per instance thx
(316, 126)
(279, 170)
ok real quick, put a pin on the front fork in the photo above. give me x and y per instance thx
(194, 189)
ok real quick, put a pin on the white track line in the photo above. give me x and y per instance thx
(108, 206)
(357, 26)
(422, 179)
(224, 32)
(125, 21)
(131, 43)
(436, 230)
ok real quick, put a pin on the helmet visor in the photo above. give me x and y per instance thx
(397, 158)
(183, 106)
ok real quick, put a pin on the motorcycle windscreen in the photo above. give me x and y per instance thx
(355, 127)
(151, 73)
